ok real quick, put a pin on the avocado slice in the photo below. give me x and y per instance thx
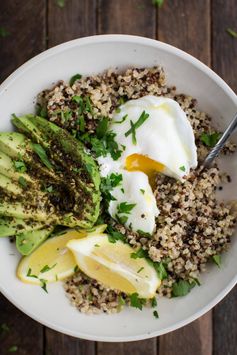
(70, 155)
(28, 241)
(10, 226)
(9, 187)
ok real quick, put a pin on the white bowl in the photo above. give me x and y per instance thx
(93, 55)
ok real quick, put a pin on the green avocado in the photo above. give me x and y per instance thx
(27, 242)
(10, 226)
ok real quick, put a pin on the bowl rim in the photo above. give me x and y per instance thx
(174, 51)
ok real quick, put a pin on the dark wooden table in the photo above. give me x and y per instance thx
(28, 27)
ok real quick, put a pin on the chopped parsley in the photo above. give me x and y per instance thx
(125, 207)
(97, 245)
(108, 183)
(39, 150)
(122, 119)
(3, 32)
(231, 32)
(155, 314)
(217, 260)
(122, 190)
(65, 115)
(137, 302)
(144, 234)
(114, 235)
(161, 270)
(112, 146)
(4, 328)
(13, 349)
(121, 219)
(153, 302)
(102, 127)
(76, 76)
(211, 139)
(22, 181)
(121, 301)
(158, 3)
(47, 268)
(41, 111)
(88, 106)
(31, 275)
(44, 285)
(19, 166)
(182, 288)
(141, 253)
(122, 100)
(182, 168)
(141, 268)
(77, 99)
(81, 123)
(76, 268)
(142, 191)
(48, 189)
(144, 116)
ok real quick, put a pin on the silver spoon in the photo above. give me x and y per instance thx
(220, 144)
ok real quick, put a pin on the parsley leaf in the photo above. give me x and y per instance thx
(182, 168)
(22, 181)
(13, 349)
(142, 191)
(60, 3)
(76, 268)
(122, 119)
(112, 146)
(231, 32)
(158, 3)
(210, 140)
(140, 253)
(125, 207)
(182, 288)
(44, 285)
(3, 32)
(121, 219)
(114, 235)
(76, 76)
(144, 116)
(153, 302)
(31, 275)
(161, 270)
(47, 268)
(108, 183)
(4, 328)
(155, 314)
(217, 260)
(77, 99)
(121, 300)
(137, 302)
(41, 111)
(139, 270)
(47, 188)
(19, 166)
(102, 127)
(39, 150)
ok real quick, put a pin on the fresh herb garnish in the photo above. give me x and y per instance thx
(76, 76)
(88, 105)
(125, 207)
(137, 302)
(121, 300)
(142, 191)
(65, 115)
(19, 166)
(112, 146)
(140, 253)
(210, 140)
(97, 245)
(141, 268)
(122, 119)
(122, 100)
(102, 127)
(153, 302)
(217, 260)
(13, 349)
(4, 328)
(144, 234)
(22, 181)
(182, 288)
(39, 150)
(3, 32)
(161, 270)
(108, 183)
(81, 123)
(47, 268)
(76, 268)
(121, 219)
(77, 99)
(44, 285)
(182, 168)
(231, 32)
(48, 189)
(114, 235)
(158, 3)
(31, 275)
(41, 111)
(134, 126)
(155, 314)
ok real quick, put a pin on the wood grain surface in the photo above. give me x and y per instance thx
(198, 27)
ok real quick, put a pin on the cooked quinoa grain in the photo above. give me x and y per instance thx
(192, 225)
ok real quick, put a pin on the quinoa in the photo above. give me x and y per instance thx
(192, 226)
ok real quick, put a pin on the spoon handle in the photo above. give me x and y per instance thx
(219, 145)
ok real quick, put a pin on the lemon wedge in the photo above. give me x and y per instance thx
(52, 261)
(112, 265)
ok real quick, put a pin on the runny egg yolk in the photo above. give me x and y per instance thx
(138, 162)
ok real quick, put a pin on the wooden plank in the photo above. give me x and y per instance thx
(186, 25)
(190, 31)
(145, 347)
(75, 19)
(195, 339)
(224, 15)
(135, 17)
(24, 333)
(60, 344)
(25, 23)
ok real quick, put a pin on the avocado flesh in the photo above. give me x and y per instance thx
(69, 153)
(11, 226)
(9, 186)
(19, 210)
(7, 169)
(27, 242)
